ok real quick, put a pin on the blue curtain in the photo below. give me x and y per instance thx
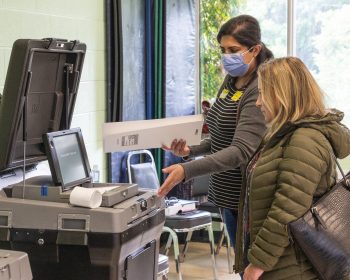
(129, 19)
(180, 64)
(150, 65)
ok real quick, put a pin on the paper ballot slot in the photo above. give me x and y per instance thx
(42, 188)
(146, 134)
(101, 195)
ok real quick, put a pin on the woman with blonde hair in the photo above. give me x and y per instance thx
(292, 167)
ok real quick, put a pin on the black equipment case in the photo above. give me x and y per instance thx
(67, 242)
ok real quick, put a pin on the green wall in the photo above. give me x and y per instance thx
(83, 20)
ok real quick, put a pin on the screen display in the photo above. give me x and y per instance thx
(70, 159)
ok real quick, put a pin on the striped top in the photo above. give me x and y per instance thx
(224, 187)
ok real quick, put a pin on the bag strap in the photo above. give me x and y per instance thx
(340, 169)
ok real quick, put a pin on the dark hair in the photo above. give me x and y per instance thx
(245, 30)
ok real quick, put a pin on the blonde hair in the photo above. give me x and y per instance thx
(289, 92)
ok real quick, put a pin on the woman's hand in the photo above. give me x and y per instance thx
(176, 175)
(252, 272)
(178, 148)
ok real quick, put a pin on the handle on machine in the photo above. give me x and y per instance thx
(57, 43)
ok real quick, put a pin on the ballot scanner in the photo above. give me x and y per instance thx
(118, 240)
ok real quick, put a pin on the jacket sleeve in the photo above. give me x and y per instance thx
(305, 160)
(248, 135)
(202, 149)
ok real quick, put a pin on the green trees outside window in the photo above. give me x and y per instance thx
(213, 13)
(322, 42)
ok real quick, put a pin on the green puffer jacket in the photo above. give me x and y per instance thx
(294, 166)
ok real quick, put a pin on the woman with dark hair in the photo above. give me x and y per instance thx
(236, 126)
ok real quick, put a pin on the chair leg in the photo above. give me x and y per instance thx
(184, 250)
(221, 240)
(229, 256)
(176, 250)
(211, 242)
(168, 244)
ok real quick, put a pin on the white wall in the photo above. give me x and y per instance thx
(81, 20)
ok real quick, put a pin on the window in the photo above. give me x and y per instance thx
(322, 42)
(212, 15)
(272, 16)
(323, 36)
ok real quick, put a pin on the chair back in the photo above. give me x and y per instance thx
(200, 185)
(144, 174)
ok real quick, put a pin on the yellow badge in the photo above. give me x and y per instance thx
(224, 93)
(237, 95)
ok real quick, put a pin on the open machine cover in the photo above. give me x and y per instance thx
(41, 84)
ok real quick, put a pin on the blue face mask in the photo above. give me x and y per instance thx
(234, 64)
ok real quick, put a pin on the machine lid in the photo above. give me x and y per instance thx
(39, 96)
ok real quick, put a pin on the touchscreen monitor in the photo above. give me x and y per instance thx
(67, 157)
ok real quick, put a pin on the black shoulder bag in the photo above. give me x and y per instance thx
(323, 233)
